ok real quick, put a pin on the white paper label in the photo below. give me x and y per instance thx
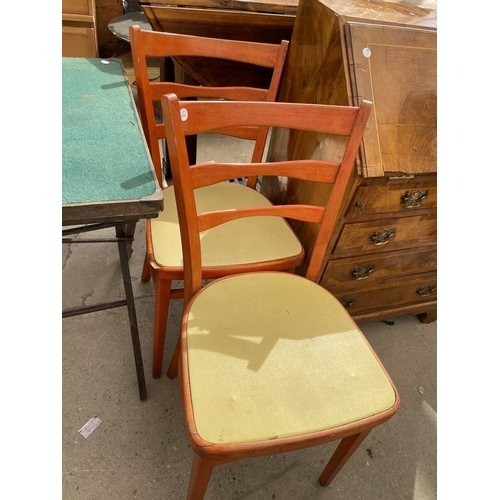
(184, 114)
(367, 52)
(90, 427)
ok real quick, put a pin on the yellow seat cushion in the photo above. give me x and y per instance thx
(274, 355)
(248, 240)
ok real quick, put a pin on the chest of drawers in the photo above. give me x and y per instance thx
(383, 254)
(382, 257)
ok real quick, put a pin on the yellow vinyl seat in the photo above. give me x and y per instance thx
(253, 342)
(244, 241)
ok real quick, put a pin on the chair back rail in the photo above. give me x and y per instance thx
(148, 44)
(183, 118)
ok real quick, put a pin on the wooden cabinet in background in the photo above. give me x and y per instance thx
(382, 256)
(79, 35)
(266, 21)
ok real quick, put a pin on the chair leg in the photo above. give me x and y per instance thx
(162, 301)
(174, 362)
(146, 270)
(341, 455)
(201, 470)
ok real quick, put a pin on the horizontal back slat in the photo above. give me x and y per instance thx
(249, 133)
(205, 174)
(305, 213)
(229, 93)
(261, 54)
(203, 118)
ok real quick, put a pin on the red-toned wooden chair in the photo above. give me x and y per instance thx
(267, 245)
(269, 361)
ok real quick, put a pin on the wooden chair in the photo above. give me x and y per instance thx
(269, 361)
(239, 250)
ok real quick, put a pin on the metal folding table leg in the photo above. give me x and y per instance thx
(127, 231)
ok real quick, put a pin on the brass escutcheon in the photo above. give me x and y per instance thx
(361, 273)
(414, 199)
(347, 303)
(382, 237)
(425, 291)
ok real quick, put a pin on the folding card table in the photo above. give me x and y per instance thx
(107, 175)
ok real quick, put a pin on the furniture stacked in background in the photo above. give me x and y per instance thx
(266, 21)
(85, 31)
(381, 260)
(79, 31)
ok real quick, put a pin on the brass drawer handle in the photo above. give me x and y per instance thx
(414, 199)
(382, 237)
(361, 273)
(425, 291)
(347, 303)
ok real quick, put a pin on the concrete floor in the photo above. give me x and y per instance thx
(140, 450)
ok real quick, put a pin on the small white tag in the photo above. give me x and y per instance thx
(90, 427)
(367, 52)
(184, 114)
(104, 62)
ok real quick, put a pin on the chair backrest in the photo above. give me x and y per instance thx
(151, 44)
(187, 118)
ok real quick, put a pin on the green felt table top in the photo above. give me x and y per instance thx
(104, 156)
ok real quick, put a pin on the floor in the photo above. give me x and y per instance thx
(140, 449)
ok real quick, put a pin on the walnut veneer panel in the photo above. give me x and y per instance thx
(355, 272)
(391, 199)
(408, 232)
(396, 69)
(401, 12)
(397, 291)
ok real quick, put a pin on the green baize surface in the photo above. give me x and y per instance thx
(104, 157)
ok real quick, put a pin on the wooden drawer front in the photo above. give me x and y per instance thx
(356, 272)
(395, 292)
(78, 42)
(386, 236)
(402, 198)
(84, 7)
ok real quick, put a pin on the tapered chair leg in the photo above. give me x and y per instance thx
(341, 455)
(162, 301)
(174, 362)
(201, 470)
(146, 270)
